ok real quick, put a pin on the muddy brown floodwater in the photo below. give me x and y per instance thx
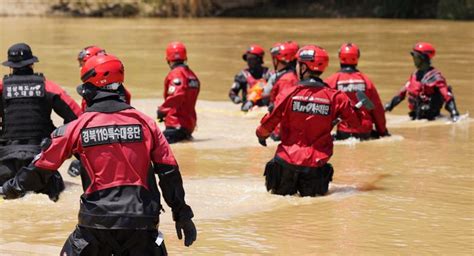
(411, 193)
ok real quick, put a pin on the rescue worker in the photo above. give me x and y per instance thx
(181, 91)
(307, 115)
(350, 81)
(85, 54)
(28, 99)
(120, 206)
(427, 89)
(88, 52)
(91, 51)
(285, 78)
(251, 80)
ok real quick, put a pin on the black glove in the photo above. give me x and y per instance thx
(190, 233)
(74, 169)
(386, 134)
(393, 103)
(53, 187)
(452, 109)
(271, 106)
(247, 106)
(275, 137)
(160, 116)
(11, 190)
(236, 100)
(262, 141)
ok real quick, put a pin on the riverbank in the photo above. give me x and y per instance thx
(403, 9)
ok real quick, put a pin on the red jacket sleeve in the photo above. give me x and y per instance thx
(62, 103)
(345, 110)
(174, 92)
(444, 89)
(271, 120)
(378, 113)
(403, 92)
(60, 149)
(171, 182)
(161, 152)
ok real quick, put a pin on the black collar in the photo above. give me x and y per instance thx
(348, 69)
(24, 71)
(313, 81)
(180, 64)
(257, 72)
(107, 102)
(285, 70)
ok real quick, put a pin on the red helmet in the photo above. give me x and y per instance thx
(425, 49)
(285, 52)
(254, 49)
(349, 54)
(176, 51)
(314, 57)
(102, 70)
(88, 52)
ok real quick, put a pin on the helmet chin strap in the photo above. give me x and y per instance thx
(302, 73)
(275, 63)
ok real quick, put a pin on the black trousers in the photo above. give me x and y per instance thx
(340, 135)
(107, 242)
(174, 135)
(14, 154)
(9, 168)
(288, 180)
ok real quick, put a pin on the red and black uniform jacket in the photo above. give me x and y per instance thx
(180, 93)
(350, 81)
(246, 79)
(306, 117)
(423, 87)
(284, 82)
(121, 149)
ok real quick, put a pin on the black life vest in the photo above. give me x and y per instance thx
(26, 110)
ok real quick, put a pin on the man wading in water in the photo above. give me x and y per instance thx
(28, 99)
(181, 91)
(426, 88)
(85, 54)
(120, 207)
(306, 115)
(251, 80)
(351, 81)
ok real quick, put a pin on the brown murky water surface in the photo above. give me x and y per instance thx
(411, 193)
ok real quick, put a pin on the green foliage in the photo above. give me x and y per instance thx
(402, 9)
(455, 9)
